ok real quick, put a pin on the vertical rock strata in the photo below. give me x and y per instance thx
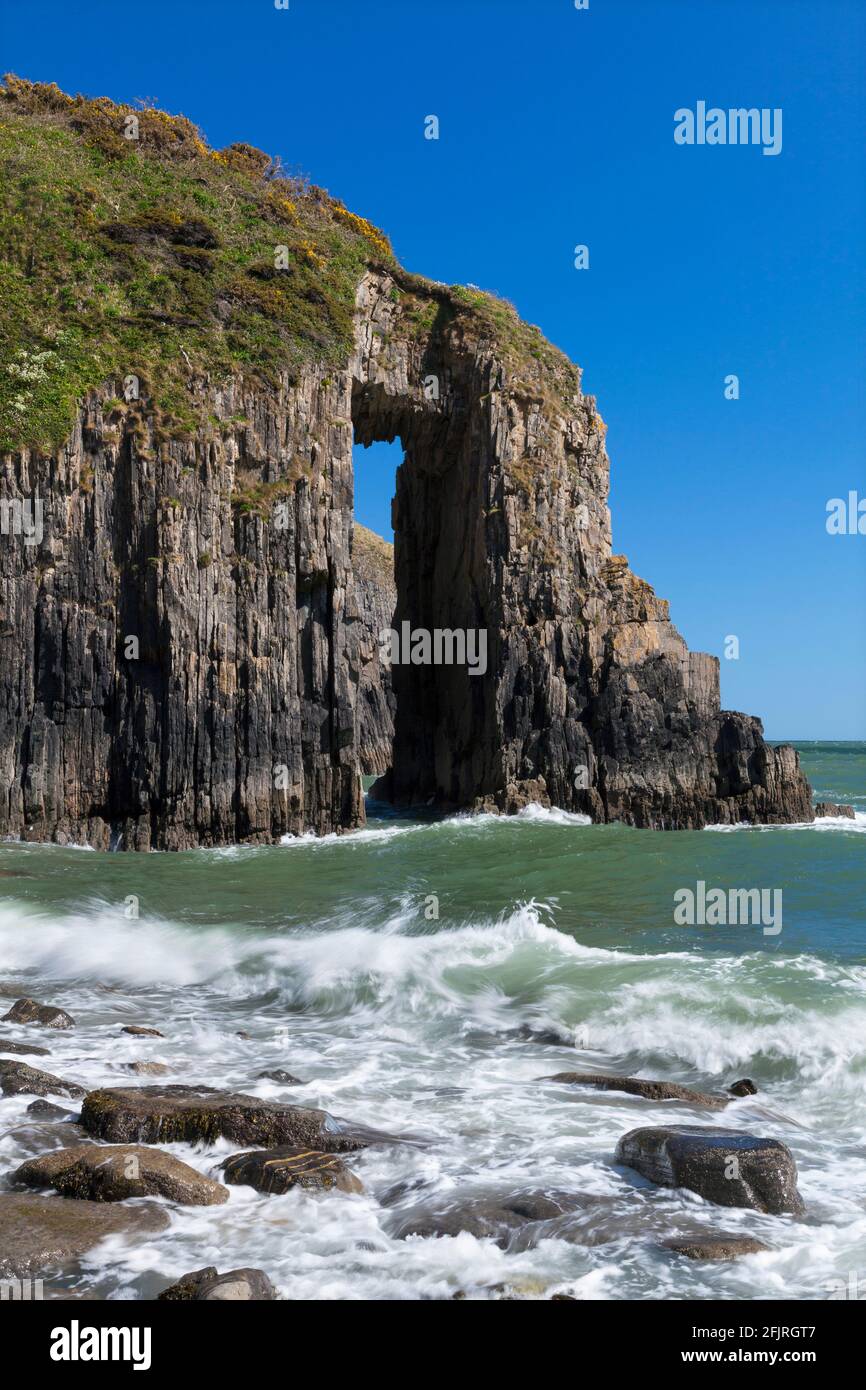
(376, 600)
(188, 639)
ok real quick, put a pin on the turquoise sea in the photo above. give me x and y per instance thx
(423, 977)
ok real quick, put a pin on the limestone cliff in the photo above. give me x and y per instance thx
(189, 640)
(375, 594)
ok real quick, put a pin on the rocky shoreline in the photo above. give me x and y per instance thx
(106, 1170)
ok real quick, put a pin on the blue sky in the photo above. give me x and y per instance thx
(556, 128)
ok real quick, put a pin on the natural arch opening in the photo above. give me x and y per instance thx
(374, 469)
(432, 671)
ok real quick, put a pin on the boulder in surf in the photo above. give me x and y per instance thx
(173, 1114)
(290, 1166)
(637, 1086)
(31, 1011)
(113, 1173)
(727, 1166)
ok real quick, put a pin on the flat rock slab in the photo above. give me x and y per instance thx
(111, 1173)
(636, 1086)
(18, 1079)
(717, 1247)
(30, 1011)
(206, 1286)
(280, 1170)
(38, 1234)
(19, 1050)
(170, 1114)
(727, 1166)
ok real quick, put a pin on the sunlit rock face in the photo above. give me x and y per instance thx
(191, 646)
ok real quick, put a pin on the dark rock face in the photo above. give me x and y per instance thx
(206, 1286)
(17, 1079)
(100, 1173)
(743, 1087)
(281, 1169)
(375, 598)
(635, 1086)
(717, 1247)
(38, 1234)
(723, 1165)
(192, 633)
(29, 1011)
(169, 1114)
(833, 808)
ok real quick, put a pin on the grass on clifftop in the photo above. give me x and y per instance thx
(158, 258)
(151, 256)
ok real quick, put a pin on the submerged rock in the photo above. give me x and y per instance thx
(147, 1068)
(726, 1166)
(102, 1173)
(545, 1037)
(281, 1169)
(723, 1247)
(636, 1086)
(17, 1079)
(44, 1110)
(206, 1286)
(743, 1087)
(19, 1050)
(169, 1114)
(283, 1078)
(495, 1216)
(137, 1031)
(39, 1234)
(30, 1011)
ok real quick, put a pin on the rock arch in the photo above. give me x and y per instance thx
(229, 557)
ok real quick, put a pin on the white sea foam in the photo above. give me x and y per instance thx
(414, 1027)
(856, 826)
(463, 821)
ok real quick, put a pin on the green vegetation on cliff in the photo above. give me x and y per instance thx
(129, 248)
(154, 255)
